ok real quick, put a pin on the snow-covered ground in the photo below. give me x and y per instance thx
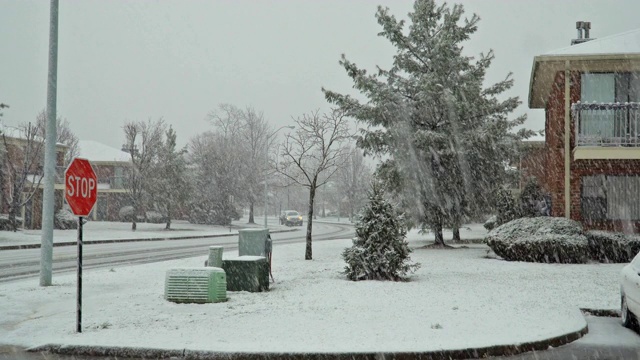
(105, 230)
(457, 299)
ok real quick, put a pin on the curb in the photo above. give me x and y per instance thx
(470, 353)
(111, 241)
(601, 312)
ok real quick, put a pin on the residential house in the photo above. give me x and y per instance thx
(591, 95)
(16, 149)
(111, 166)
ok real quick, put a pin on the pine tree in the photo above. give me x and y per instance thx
(445, 136)
(379, 251)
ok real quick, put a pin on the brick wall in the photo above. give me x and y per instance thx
(554, 135)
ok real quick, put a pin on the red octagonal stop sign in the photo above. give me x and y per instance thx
(80, 187)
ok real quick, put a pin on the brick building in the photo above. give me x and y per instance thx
(592, 129)
(111, 166)
(23, 157)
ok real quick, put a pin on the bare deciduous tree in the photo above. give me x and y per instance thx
(22, 157)
(143, 140)
(352, 180)
(313, 154)
(64, 135)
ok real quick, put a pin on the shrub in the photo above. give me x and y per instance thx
(506, 207)
(490, 224)
(611, 247)
(155, 217)
(126, 214)
(541, 239)
(379, 251)
(65, 220)
(532, 202)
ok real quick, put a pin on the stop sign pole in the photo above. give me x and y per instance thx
(81, 193)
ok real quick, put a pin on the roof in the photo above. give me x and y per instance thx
(20, 133)
(98, 152)
(623, 43)
(615, 53)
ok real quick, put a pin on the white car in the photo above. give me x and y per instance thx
(630, 293)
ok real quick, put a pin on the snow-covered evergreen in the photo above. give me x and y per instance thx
(380, 250)
(445, 137)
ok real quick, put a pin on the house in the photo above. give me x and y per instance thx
(22, 168)
(111, 166)
(591, 95)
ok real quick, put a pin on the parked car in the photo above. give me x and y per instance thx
(630, 293)
(290, 218)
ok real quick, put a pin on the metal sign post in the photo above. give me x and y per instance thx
(79, 303)
(81, 193)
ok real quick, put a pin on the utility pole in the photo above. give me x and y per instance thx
(48, 197)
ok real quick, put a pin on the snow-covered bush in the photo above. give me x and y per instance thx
(126, 214)
(379, 251)
(213, 213)
(65, 220)
(541, 239)
(532, 202)
(154, 217)
(506, 206)
(5, 223)
(611, 247)
(490, 224)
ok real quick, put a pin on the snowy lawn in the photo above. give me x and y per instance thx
(458, 299)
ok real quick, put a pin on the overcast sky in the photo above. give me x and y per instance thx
(134, 60)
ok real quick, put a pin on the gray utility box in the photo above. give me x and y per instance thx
(247, 273)
(252, 242)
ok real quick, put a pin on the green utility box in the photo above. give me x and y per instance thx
(195, 285)
(247, 273)
(252, 241)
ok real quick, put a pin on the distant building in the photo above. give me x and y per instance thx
(111, 166)
(591, 95)
(13, 143)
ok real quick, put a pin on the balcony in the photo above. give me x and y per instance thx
(606, 130)
(607, 124)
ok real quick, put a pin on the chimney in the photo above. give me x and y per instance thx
(583, 28)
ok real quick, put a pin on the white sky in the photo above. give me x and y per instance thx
(126, 60)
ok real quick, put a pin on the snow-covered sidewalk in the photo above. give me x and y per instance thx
(458, 299)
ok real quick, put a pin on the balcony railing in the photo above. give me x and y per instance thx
(607, 124)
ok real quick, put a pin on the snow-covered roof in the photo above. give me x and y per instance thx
(615, 53)
(20, 133)
(623, 43)
(98, 152)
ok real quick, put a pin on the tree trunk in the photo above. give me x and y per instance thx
(456, 232)
(308, 255)
(12, 217)
(168, 226)
(437, 230)
(251, 220)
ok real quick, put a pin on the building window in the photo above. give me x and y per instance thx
(611, 123)
(610, 197)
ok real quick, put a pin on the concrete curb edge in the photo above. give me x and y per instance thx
(473, 353)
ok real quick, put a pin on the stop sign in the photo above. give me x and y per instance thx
(80, 187)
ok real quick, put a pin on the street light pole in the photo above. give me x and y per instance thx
(266, 163)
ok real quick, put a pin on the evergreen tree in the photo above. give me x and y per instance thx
(379, 251)
(506, 207)
(444, 137)
(531, 199)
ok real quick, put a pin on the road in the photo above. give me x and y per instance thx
(21, 264)
(607, 339)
